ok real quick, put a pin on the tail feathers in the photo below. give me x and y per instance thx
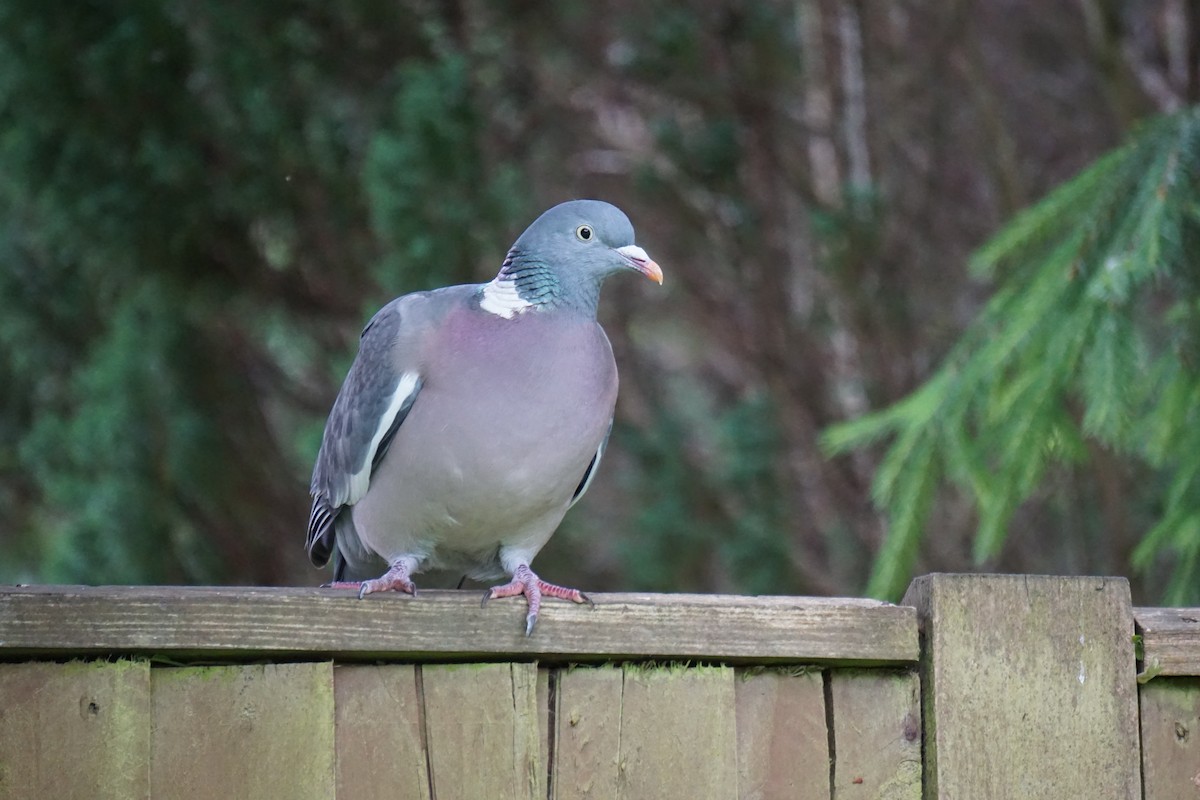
(321, 534)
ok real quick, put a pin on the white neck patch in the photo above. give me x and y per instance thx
(500, 297)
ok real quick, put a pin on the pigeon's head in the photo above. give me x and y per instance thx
(587, 240)
(561, 260)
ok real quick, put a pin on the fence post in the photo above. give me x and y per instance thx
(1028, 687)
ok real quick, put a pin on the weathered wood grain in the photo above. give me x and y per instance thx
(378, 736)
(1171, 738)
(243, 731)
(876, 734)
(482, 734)
(545, 721)
(77, 730)
(587, 744)
(1170, 640)
(253, 623)
(782, 738)
(678, 740)
(1029, 687)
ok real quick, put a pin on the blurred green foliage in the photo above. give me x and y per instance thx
(1090, 341)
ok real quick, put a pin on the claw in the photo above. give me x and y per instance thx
(525, 582)
(396, 579)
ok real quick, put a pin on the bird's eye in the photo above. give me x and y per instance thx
(584, 232)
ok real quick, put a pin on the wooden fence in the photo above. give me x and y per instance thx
(977, 687)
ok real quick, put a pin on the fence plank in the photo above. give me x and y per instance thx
(253, 623)
(482, 726)
(1170, 640)
(1029, 686)
(587, 744)
(1171, 738)
(877, 735)
(378, 736)
(77, 730)
(243, 731)
(677, 736)
(782, 739)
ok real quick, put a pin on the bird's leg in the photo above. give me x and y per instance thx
(525, 582)
(396, 579)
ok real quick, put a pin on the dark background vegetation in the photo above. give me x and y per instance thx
(201, 202)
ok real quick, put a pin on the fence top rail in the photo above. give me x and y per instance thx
(1170, 641)
(244, 623)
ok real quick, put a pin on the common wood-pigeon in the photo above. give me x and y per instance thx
(474, 416)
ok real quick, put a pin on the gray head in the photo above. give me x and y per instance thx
(561, 260)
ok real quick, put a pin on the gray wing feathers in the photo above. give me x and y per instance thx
(357, 434)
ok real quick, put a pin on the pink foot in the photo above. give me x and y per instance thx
(525, 582)
(396, 579)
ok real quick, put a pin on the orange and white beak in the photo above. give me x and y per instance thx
(638, 260)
